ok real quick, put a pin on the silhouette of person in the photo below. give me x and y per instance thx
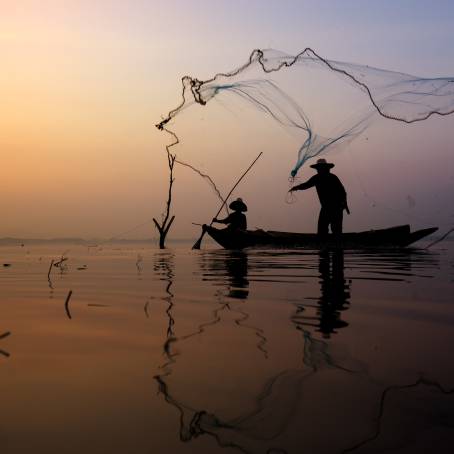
(237, 219)
(236, 264)
(334, 292)
(334, 297)
(332, 196)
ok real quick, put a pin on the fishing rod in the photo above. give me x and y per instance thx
(199, 241)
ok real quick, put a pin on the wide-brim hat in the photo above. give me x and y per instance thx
(321, 163)
(238, 205)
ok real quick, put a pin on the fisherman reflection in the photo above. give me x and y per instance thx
(334, 292)
(232, 267)
(334, 296)
(236, 264)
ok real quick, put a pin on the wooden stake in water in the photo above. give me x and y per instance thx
(50, 269)
(199, 241)
(3, 336)
(68, 313)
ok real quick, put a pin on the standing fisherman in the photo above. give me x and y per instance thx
(332, 196)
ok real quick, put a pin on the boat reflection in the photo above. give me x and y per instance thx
(286, 415)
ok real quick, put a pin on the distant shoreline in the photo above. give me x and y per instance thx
(10, 241)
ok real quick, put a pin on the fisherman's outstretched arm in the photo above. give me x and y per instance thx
(227, 220)
(306, 185)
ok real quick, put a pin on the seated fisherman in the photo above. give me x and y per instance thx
(235, 220)
(332, 196)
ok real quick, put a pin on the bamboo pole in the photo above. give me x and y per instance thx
(199, 241)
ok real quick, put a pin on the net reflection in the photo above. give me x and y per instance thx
(233, 267)
(326, 402)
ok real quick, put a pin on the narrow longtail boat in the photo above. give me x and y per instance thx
(393, 237)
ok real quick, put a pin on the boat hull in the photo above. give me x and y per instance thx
(393, 237)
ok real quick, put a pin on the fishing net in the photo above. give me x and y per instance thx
(322, 103)
(330, 404)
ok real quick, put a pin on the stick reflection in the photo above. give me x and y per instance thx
(4, 336)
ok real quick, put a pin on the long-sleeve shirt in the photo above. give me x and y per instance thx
(330, 190)
(235, 220)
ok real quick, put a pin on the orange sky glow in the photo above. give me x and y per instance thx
(83, 84)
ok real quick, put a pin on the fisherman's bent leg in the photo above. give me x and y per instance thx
(336, 219)
(323, 224)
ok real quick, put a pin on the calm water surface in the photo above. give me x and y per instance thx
(212, 351)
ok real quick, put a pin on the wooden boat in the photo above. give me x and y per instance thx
(393, 237)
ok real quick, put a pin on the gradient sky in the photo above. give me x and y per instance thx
(83, 83)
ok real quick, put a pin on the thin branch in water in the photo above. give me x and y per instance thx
(4, 336)
(50, 268)
(139, 262)
(61, 263)
(48, 274)
(164, 227)
(68, 313)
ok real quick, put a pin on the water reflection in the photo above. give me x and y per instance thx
(333, 299)
(233, 265)
(4, 352)
(276, 411)
(236, 265)
(164, 269)
(420, 406)
(284, 417)
(261, 351)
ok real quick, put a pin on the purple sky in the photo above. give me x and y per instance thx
(84, 82)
